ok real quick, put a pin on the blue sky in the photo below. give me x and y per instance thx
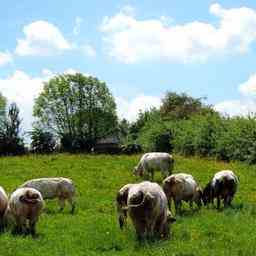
(140, 48)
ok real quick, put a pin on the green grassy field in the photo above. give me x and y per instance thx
(93, 230)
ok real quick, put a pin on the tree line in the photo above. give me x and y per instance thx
(74, 111)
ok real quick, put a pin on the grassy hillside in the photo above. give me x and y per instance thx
(93, 230)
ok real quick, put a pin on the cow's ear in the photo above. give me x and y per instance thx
(137, 198)
(119, 197)
(22, 198)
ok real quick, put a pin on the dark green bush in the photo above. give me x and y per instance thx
(42, 141)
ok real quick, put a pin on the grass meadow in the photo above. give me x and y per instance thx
(93, 229)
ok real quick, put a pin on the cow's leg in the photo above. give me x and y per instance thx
(19, 225)
(191, 204)
(218, 202)
(152, 175)
(227, 200)
(72, 204)
(2, 222)
(170, 203)
(140, 230)
(61, 203)
(177, 204)
(162, 228)
(165, 230)
(32, 227)
(150, 227)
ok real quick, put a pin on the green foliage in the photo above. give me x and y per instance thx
(42, 141)
(215, 136)
(2, 105)
(77, 107)
(141, 121)
(123, 128)
(196, 129)
(155, 135)
(93, 229)
(181, 106)
(10, 141)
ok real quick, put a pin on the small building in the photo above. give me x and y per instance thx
(108, 145)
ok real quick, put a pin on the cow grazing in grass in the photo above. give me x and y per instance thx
(61, 188)
(3, 207)
(148, 209)
(182, 187)
(25, 205)
(121, 203)
(155, 161)
(222, 186)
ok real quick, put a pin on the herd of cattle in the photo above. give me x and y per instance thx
(26, 203)
(147, 203)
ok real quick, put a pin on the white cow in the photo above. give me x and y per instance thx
(182, 187)
(3, 206)
(223, 185)
(50, 188)
(154, 161)
(148, 209)
(26, 205)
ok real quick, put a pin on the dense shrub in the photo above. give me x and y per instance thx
(155, 136)
(184, 133)
(42, 141)
(75, 144)
(130, 149)
(204, 135)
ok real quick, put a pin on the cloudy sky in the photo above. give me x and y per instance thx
(140, 48)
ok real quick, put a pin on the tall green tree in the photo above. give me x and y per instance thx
(80, 109)
(10, 140)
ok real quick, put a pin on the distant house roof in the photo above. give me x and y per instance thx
(109, 140)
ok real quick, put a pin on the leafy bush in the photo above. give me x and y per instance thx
(42, 141)
(75, 144)
(155, 136)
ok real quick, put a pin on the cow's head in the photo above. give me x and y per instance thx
(121, 200)
(137, 171)
(168, 184)
(29, 198)
(207, 195)
(199, 196)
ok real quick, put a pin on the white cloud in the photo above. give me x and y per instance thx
(130, 40)
(5, 58)
(77, 27)
(129, 109)
(242, 107)
(88, 50)
(245, 105)
(22, 89)
(249, 87)
(41, 38)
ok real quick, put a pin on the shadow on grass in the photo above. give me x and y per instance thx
(49, 211)
(25, 234)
